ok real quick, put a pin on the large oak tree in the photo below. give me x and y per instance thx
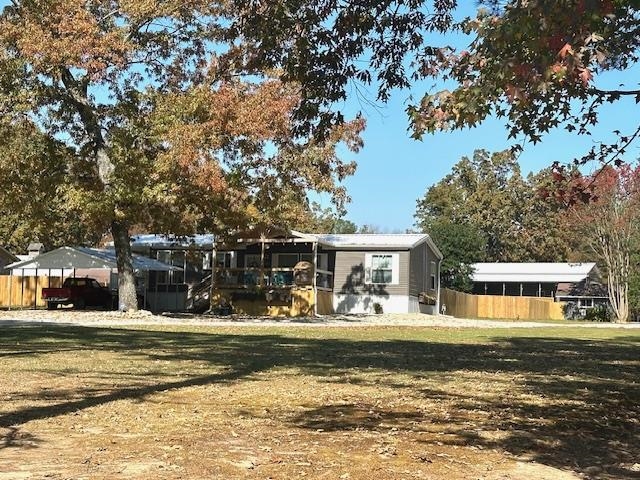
(166, 122)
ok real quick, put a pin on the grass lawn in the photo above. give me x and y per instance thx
(335, 403)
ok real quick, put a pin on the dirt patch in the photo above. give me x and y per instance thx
(104, 403)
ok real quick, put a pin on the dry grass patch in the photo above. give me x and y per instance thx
(375, 402)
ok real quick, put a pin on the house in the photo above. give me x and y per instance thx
(294, 273)
(6, 258)
(101, 264)
(578, 283)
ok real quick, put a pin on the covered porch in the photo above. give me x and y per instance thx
(271, 274)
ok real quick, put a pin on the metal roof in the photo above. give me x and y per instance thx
(331, 240)
(531, 272)
(83, 257)
(372, 240)
(157, 240)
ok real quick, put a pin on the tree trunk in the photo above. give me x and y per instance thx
(76, 94)
(127, 298)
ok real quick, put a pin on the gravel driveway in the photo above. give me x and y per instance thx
(93, 318)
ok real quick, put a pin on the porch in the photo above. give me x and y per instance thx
(281, 276)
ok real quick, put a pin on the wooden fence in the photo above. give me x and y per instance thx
(465, 305)
(25, 292)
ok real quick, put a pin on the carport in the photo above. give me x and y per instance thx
(99, 264)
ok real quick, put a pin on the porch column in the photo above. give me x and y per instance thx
(438, 288)
(212, 284)
(520, 288)
(314, 278)
(10, 287)
(261, 280)
(539, 289)
(504, 289)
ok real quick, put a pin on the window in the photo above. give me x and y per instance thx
(433, 275)
(289, 260)
(252, 260)
(382, 268)
(223, 259)
(381, 271)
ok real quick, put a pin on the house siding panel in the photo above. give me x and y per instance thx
(418, 273)
(350, 273)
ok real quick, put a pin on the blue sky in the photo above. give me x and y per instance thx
(395, 170)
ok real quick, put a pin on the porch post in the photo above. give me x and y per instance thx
(539, 289)
(438, 288)
(504, 289)
(261, 279)
(10, 287)
(520, 288)
(314, 279)
(213, 274)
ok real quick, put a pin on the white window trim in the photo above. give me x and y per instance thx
(395, 268)
(433, 280)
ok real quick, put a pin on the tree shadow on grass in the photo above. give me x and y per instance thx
(575, 403)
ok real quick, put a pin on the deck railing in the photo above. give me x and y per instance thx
(280, 277)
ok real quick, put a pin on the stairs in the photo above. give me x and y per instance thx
(199, 297)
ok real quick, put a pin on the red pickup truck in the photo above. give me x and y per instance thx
(80, 292)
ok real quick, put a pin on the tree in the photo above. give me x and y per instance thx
(537, 65)
(482, 193)
(609, 223)
(461, 245)
(33, 191)
(634, 282)
(168, 125)
(342, 225)
(518, 218)
(543, 234)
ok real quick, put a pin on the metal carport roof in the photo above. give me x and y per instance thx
(83, 257)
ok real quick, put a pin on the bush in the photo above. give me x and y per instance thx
(599, 313)
(377, 308)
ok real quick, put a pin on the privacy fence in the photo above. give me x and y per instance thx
(465, 305)
(25, 292)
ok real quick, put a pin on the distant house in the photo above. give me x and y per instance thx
(294, 273)
(578, 283)
(6, 258)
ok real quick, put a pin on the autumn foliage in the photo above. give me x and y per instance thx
(609, 224)
(167, 125)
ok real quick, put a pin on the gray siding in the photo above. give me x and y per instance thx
(418, 273)
(349, 274)
(424, 263)
(421, 259)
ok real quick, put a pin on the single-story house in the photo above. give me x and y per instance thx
(578, 283)
(101, 264)
(294, 273)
